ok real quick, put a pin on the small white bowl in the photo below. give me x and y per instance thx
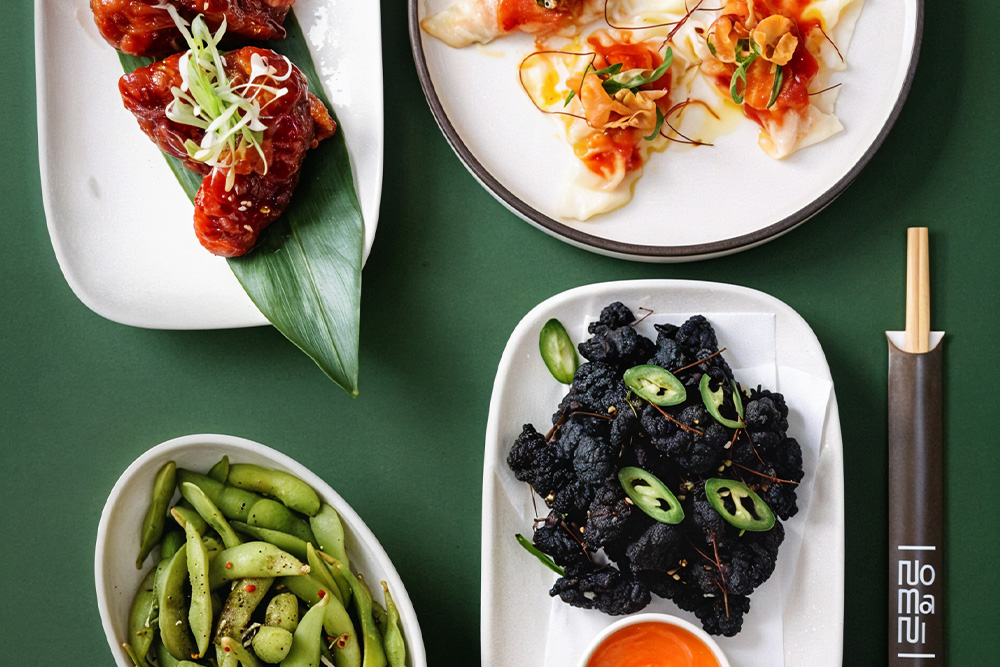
(666, 619)
(118, 534)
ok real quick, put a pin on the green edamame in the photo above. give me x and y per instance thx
(239, 606)
(372, 651)
(308, 637)
(239, 505)
(282, 612)
(200, 610)
(172, 541)
(337, 622)
(392, 637)
(253, 559)
(220, 471)
(155, 519)
(293, 545)
(175, 632)
(289, 489)
(267, 513)
(246, 658)
(186, 515)
(210, 513)
(141, 617)
(329, 532)
(272, 644)
(319, 570)
(166, 660)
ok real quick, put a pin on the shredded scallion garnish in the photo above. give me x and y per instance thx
(229, 115)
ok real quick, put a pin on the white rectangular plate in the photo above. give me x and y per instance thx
(515, 601)
(120, 224)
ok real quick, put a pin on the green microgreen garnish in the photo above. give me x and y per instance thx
(607, 71)
(534, 551)
(659, 123)
(743, 61)
(229, 115)
(711, 47)
(633, 78)
(776, 86)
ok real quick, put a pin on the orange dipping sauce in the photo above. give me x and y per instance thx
(652, 644)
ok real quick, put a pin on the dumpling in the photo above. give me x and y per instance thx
(469, 21)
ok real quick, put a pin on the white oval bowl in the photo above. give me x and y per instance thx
(666, 619)
(118, 533)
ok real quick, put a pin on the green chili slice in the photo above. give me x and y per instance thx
(656, 385)
(738, 504)
(539, 554)
(557, 351)
(650, 495)
(714, 399)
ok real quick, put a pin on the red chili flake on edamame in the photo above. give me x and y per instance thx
(229, 565)
(321, 594)
(342, 641)
(249, 588)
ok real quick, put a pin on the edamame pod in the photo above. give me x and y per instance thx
(200, 611)
(287, 488)
(392, 638)
(174, 630)
(329, 532)
(210, 513)
(140, 618)
(319, 569)
(238, 505)
(166, 660)
(267, 513)
(234, 618)
(220, 471)
(308, 637)
(283, 612)
(186, 515)
(293, 545)
(172, 541)
(374, 654)
(155, 519)
(253, 559)
(246, 658)
(272, 644)
(337, 622)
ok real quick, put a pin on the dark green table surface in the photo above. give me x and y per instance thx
(450, 275)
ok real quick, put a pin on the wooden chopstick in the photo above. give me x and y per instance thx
(918, 290)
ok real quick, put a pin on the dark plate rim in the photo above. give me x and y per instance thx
(640, 251)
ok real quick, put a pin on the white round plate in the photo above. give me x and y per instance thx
(119, 222)
(798, 614)
(118, 533)
(690, 204)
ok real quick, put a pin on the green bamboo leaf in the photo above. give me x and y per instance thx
(305, 273)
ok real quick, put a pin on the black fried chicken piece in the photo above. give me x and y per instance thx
(766, 417)
(553, 538)
(696, 339)
(606, 589)
(723, 614)
(609, 516)
(697, 453)
(614, 341)
(749, 561)
(660, 547)
(595, 388)
(538, 463)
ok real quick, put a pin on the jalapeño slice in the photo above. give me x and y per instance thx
(557, 351)
(656, 385)
(650, 495)
(744, 509)
(713, 401)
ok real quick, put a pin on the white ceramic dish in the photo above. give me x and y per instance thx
(666, 619)
(117, 536)
(672, 217)
(120, 224)
(515, 600)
